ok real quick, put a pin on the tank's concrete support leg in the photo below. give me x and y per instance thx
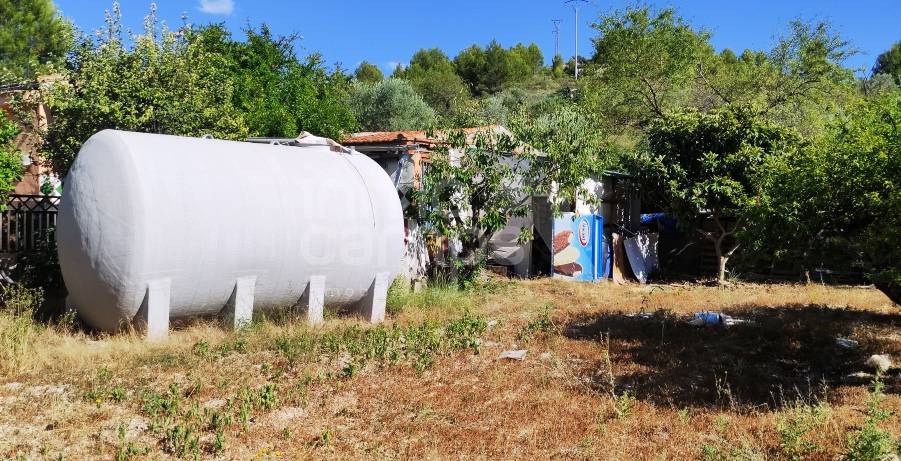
(239, 308)
(372, 306)
(153, 315)
(313, 299)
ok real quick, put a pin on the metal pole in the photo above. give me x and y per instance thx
(576, 47)
(575, 5)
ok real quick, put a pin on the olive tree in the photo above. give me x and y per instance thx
(391, 104)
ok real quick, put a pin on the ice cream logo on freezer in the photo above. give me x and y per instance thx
(584, 232)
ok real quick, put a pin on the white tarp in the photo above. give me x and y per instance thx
(642, 253)
(416, 253)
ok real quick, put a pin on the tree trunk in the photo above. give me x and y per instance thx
(892, 290)
(473, 254)
(722, 260)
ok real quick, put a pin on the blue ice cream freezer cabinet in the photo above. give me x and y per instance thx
(578, 247)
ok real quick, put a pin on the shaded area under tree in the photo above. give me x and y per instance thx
(786, 353)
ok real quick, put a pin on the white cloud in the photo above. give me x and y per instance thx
(391, 65)
(224, 7)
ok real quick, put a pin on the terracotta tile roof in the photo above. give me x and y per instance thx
(370, 137)
(404, 137)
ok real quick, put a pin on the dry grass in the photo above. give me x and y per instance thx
(656, 389)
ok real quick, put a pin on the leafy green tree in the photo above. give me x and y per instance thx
(804, 65)
(557, 66)
(471, 65)
(799, 83)
(472, 189)
(368, 73)
(432, 75)
(889, 63)
(34, 38)
(642, 64)
(572, 148)
(649, 63)
(277, 94)
(838, 201)
(498, 71)
(11, 169)
(524, 61)
(877, 85)
(490, 70)
(389, 105)
(164, 83)
(431, 59)
(705, 166)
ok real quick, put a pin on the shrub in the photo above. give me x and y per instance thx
(21, 300)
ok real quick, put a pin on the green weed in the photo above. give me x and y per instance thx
(541, 325)
(797, 427)
(623, 404)
(20, 300)
(871, 442)
(126, 450)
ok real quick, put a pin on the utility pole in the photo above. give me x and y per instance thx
(556, 36)
(575, 4)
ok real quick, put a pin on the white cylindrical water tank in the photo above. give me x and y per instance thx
(203, 213)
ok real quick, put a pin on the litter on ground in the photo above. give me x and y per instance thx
(881, 362)
(846, 343)
(715, 318)
(517, 354)
(642, 315)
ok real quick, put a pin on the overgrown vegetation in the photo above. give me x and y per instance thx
(11, 169)
(765, 127)
(191, 81)
(800, 430)
(706, 166)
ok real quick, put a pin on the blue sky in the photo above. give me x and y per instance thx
(386, 32)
